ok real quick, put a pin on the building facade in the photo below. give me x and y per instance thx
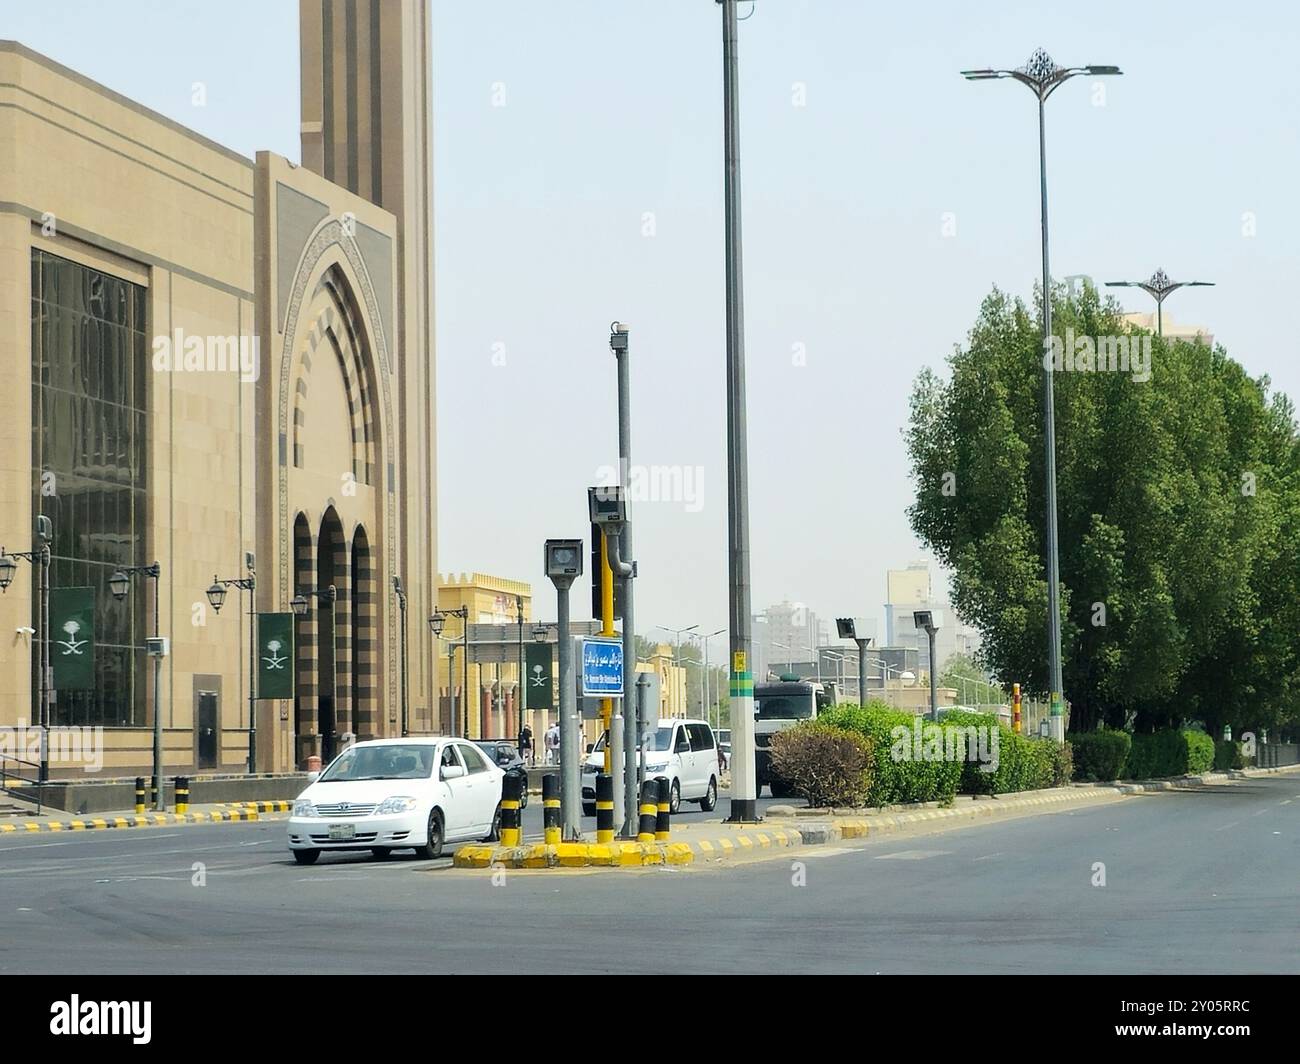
(217, 360)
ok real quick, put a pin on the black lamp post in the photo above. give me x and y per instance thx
(401, 605)
(119, 584)
(39, 557)
(299, 604)
(217, 597)
(437, 622)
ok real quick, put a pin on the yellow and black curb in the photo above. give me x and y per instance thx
(278, 806)
(575, 855)
(147, 820)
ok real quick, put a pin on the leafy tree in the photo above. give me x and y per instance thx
(1178, 510)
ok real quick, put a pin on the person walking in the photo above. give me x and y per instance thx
(526, 744)
(553, 744)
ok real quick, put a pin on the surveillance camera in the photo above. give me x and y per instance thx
(25, 630)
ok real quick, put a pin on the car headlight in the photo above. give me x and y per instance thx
(656, 766)
(303, 807)
(399, 804)
(590, 770)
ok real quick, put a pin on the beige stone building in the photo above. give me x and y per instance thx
(209, 357)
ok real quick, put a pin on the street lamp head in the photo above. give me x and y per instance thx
(216, 595)
(924, 619)
(563, 561)
(437, 622)
(541, 633)
(617, 337)
(7, 567)
(119, 583)
(299, 605)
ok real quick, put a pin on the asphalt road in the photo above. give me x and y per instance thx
(1196, 881)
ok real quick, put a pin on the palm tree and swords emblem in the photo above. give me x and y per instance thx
(72, 645)
(275, 660)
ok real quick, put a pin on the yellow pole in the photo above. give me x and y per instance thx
(607, 629)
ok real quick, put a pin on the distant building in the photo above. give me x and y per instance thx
(786, 632)
(908, 590)
(1172, 330)
(671, 677)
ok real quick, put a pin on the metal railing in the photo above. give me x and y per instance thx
(8, 774)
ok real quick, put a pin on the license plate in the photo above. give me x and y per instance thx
(339, 832)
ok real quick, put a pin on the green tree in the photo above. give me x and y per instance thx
(1178, 509)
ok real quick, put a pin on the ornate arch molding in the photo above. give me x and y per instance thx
(329, 250)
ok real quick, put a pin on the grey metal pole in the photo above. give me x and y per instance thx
(743, 804)
(862, 670)
(521, 688)
(464, 694)
(1160, 317)
(252, 673)
(628, 828)
(1049, 432)
(569, 778)
(934, 700)
(160, 803)
(638, 727)
(43, 655)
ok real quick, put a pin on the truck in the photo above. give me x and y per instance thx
(779, 705)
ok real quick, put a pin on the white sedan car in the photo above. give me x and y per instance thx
(394, 794)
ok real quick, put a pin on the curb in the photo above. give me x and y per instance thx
(575, 855)
(277, 806)
(148, 820)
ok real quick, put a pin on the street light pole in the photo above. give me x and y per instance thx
(39, 557)
(119, 583)
(1043, 77)
(623, 566)
(401, 605)
(1158, 287)
(217, 597)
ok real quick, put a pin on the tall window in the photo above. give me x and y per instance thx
(89, 457)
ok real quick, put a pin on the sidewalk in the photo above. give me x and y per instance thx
(58, 820)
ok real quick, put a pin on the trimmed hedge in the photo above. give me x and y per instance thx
(896, 780)
(1100, 756)
(1172, 752)
(1022, 763)
(826, 765)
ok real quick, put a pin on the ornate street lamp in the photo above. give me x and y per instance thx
(1158, 286)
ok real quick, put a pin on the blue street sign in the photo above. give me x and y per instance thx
(602, 668)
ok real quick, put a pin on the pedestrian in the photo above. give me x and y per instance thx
(526, 744)
(553, 744)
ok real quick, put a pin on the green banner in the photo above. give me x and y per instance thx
(275, 656)
(540, 688)
(72, 638)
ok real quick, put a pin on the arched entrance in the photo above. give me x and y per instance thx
(365, 682)
(333, 676)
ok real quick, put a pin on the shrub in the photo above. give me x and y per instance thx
(1227, 754)
(897, 777)
(1100, 755)
(827, 765)
(1062, 758)
(1171, 752)
(1023, 763)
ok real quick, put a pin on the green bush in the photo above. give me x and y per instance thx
(1100, 755)
(898, 777)
(1171, 752)
(1227, 754)
(1024, 763)
(828, 766)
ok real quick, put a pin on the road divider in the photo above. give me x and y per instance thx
(147, 820)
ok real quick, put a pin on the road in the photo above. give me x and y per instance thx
(1195, 881)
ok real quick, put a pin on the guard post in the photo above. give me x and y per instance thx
(551, 809)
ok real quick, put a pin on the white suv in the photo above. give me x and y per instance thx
(681, 750)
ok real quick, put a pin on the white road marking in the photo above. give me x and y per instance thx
(911, 855)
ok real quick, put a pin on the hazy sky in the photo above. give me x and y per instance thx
(578, 179)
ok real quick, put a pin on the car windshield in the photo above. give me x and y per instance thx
(387, 762)
(784, 707)
(662, 740)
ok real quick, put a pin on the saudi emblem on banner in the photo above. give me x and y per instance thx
(72, 638)
(275, 671)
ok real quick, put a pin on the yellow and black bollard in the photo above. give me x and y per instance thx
(139, 795)
(182, 794)
(649, 810)
(551, 808)
(662, 813)
(604, 809)
(511, 830)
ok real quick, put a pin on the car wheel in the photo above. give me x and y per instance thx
(306, 856)
(588, 809)
(710, 798)
(432, 849)
(675, 799)
(494, 832)
(523, 796)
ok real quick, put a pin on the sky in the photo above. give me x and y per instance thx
(578, 180)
